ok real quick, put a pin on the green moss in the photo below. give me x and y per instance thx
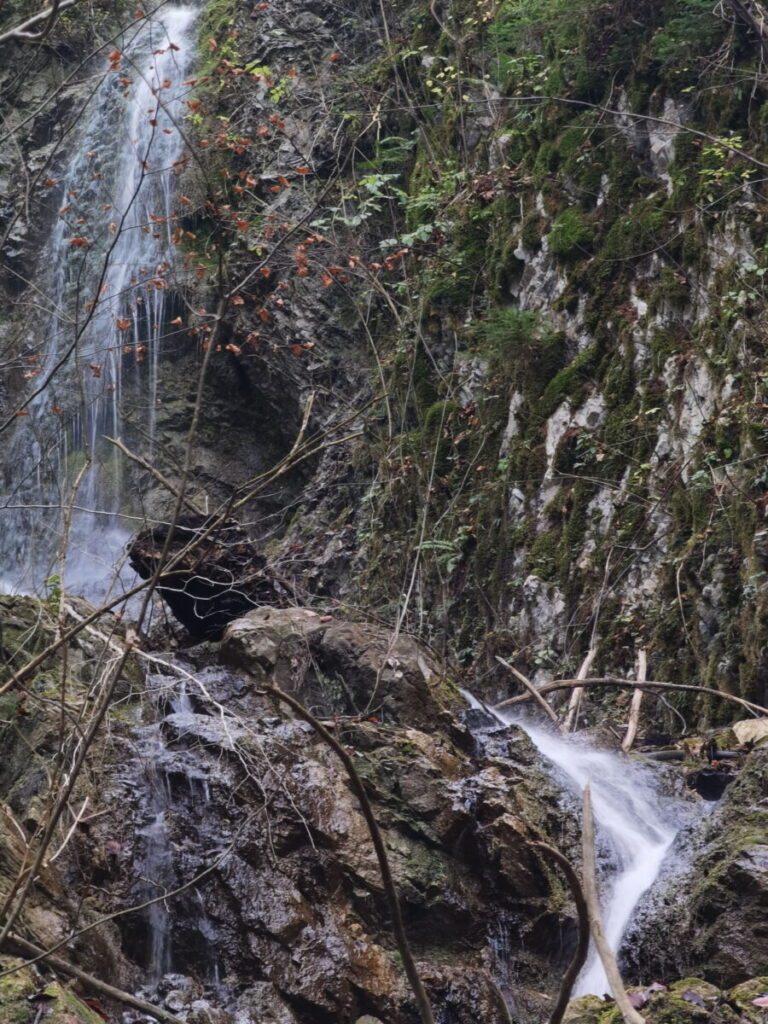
(545, 556)
(571, 235)
(532, 231)
(569, 383)
(61, 1005)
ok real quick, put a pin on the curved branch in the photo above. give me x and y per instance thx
(28, 31)
(631, 684)
(582, 948)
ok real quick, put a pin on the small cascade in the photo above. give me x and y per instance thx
(105, 278)
(171, 937)
(636, 825)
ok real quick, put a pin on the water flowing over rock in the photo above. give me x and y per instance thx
(479, 289)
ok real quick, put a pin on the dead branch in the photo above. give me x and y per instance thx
(637, 700)
(752, 16)
(501, 1001)
(29, 32)
(582, 948)
(574, 704)
(567, 684)
(163, 480)
(536, 694)
(628, 1012)
(29, 949)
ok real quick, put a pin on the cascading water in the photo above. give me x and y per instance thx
(636, 826)
(174, 932)
(104, 282)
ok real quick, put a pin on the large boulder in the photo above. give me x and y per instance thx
(341, 668)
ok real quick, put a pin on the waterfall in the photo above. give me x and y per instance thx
(173, 932)
(99, 311)
(636, 825)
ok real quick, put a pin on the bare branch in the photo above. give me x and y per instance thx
(536, 694)
(118, 443)
(28, 30)
(628, 1012)
(567, 684)
(387, 880)
(582, 948)
(637, 700)
(574, 704)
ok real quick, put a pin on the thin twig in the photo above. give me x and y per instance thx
(140, 461)
(385, 871)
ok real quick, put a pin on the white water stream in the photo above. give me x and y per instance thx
(635, 822)
(100, 310)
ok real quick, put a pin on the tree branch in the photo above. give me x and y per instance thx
(582, 948)
(536, 694)
(628, 1012)
(637, 700)
(27, 32)
(387, 880)
(567, 684)
(574, 704)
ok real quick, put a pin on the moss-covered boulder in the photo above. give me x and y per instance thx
(25, 998)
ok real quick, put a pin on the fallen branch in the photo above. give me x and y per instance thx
(574, 704)
(567, 684)
(582, 948)
(536, 694)
(29, 949)
(628, 1012)
(501, 1001)
(637, 700)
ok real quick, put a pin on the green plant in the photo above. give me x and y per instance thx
(53, 590)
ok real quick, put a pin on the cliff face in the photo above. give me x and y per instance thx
(519, 256)
(477, 290)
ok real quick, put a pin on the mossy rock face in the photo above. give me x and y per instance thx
(571, 235)
(584, 1010)
(19, 1006)
(717, 911)
(742, 996)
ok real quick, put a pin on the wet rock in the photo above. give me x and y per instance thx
(340, 668)
(710, 783)
(716, 912)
